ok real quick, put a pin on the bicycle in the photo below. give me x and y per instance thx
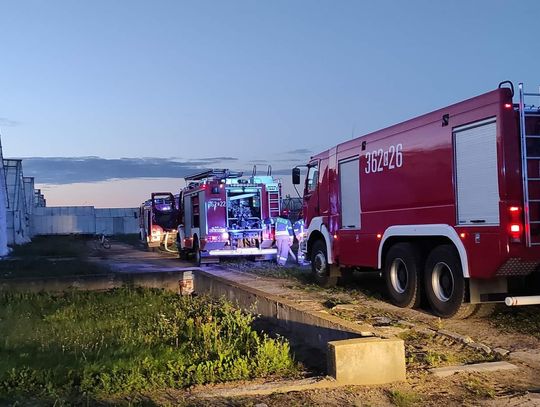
(102, 241)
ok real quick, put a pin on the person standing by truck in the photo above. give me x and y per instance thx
(284, 238)
(298, 228)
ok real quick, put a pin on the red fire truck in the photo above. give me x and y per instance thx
(445, 205)
(158, 220)
(224, 214)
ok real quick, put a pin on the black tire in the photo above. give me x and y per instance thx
(445, 285)
(402, 275)
(106, 244)
(197, 253)
(320, 268)
(182, 254)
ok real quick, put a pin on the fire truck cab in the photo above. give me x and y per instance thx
(223, 213)
(158, 220)
(445, 205)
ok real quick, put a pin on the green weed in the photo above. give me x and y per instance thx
(402, 398)
(127, 341)
(479, 388)
(525, 320)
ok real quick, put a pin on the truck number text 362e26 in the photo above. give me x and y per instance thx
(380, 159)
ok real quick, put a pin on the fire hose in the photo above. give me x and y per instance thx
(165, 245)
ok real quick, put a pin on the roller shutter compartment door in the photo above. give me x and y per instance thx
(477, 181)
(349, 180)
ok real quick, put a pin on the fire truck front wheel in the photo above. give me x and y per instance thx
(402, 274)
(320, 267)
(445, 285)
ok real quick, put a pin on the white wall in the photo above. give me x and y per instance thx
(63, 220)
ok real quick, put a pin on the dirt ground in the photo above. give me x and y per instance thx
(360, 300)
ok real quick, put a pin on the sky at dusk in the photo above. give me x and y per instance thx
(107, 101)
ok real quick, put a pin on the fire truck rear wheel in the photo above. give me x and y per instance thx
(320, 267)
(445, 285)
(402, 273)
(182, 254)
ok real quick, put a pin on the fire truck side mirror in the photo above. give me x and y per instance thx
(296, 176)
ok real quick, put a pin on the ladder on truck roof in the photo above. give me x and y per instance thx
(214, 174)
(530, 165)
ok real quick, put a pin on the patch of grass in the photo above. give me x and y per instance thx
(479, 387)
(403, 399)
(525, 320)
(333, 301)
(37, 268)
(51, 256)
(269, 269)
(53, 246)
(425, 352)
(125, 342)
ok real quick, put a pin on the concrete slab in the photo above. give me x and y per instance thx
(478, 367)
(365, 361)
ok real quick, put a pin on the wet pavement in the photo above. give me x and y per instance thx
(124, 258)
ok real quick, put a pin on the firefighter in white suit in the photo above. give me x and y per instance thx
(284, 239)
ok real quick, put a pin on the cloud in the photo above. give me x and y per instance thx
(4, 121)
(68, 170)
(299, 151)
(217, 159)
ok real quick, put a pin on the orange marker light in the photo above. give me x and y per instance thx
(379, 235)
(462, 235)
(508, 105)
(335, 236)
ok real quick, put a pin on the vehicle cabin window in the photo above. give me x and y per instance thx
(312, 178)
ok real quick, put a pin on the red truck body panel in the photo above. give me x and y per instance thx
(422, 190)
